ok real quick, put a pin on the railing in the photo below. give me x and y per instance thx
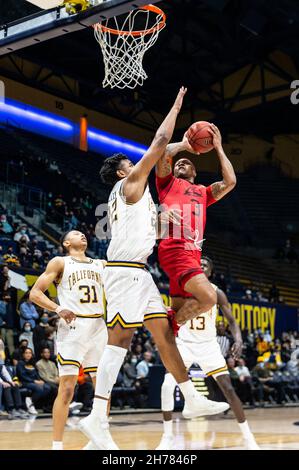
(18, 197)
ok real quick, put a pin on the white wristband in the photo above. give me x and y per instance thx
(59, 309)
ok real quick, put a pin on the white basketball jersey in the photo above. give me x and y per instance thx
(201, 328)
(81, 288)
(133, 226)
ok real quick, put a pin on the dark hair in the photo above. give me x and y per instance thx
(111, 165)
(63, 238)
(209, 261)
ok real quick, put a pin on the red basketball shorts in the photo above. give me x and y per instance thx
(180, 265)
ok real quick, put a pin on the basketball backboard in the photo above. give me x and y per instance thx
(58, 21)
(46, 4)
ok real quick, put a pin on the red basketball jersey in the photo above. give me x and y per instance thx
(192, 200)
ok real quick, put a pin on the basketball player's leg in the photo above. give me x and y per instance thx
(195, 403)
(96, 426)
(67, 384)
(167, 399)
(214, 365)
(203, 298)
(234, 401)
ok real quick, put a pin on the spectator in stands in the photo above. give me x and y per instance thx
(293, 363)
(222, 338)
(151, 346)
(262, 346)
(248, 295)
(18, 353)
(10, 258)
(12, 395)
(7, 307)
(260, 297)
(54, 167)
(137, 351)
(269, 384)
(48, 371)
(267, 336)
(144, 365)
(274, 293)
(5, 227)
(22, 234)
(29, 377)
(241, 380)
(242, 370)
(28, 312)
(286, 351)
(40, 334)
(1, 255)
(37, 259)
(27, 334)
(272, 358)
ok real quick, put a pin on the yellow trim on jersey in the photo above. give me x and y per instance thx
(104, 300)
(126, 264)
(96, 315)
(216, 371)
(118, 319)
(150, 316)
(67, 362)
(90, 369)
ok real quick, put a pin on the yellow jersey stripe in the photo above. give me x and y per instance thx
(67, 362)
(150, 316)
(90, 369)
(126, 264)
(97, 315)
(118, 319)
(216, 371)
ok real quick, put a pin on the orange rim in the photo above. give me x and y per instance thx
(118, 32)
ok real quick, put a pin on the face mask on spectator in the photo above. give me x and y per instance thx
(44, 320)
(27, 328)
(23, 231)
(134, 360)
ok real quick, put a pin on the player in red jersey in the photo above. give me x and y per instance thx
(180, 251)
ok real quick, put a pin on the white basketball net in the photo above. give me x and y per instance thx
(123, 53)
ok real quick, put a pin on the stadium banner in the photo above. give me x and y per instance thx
(276, 318)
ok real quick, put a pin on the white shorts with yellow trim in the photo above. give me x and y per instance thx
(207, 355)
(80, 344)
(131, 294)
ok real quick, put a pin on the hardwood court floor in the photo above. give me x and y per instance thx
(273, 429)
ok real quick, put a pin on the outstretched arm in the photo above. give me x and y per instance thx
(164, 165)
(134, 184)
(225, 308)
(229, 181)
(53, 272)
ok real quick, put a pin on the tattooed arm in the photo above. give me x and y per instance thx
(229, 181)
(164, 165)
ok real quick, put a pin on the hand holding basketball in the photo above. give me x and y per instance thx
(216, 135)
(199, 137)
(187, 146)
(179, 99)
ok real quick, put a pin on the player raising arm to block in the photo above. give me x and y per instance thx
(132, 296)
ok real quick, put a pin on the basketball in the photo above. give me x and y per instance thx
(199, 137)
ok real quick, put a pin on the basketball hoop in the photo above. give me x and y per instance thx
(124, 43)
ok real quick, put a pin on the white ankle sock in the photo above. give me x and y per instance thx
(167, 425)
(245, 430)
(187, 389)
(57, 445)
(108, 369)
